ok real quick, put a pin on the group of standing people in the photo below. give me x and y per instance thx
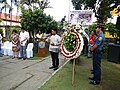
(95, 45)
(88, 44)
(19, 43)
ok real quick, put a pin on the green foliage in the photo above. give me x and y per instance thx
(105, 50)
(110, 81)
(0, 20)
(87, 3)
(41, 4)
(1, 31)
(36, 20)
(70, 41)
(66, 23)
(77, 4)
(92, 27)
(113, 30)
(15, 28)
(52, 24)
(104, 10)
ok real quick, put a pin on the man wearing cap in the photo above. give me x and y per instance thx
(97, 55)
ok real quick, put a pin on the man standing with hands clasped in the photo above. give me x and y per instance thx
(24, 36)
(54, 48)
(97, 55)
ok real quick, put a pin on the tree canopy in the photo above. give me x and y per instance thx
(41, 4)
(36, 20)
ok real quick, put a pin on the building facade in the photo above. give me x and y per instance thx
(7, 22)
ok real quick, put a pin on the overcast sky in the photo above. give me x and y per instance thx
(60, 8)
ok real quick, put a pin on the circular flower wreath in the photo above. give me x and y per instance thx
(71, 44)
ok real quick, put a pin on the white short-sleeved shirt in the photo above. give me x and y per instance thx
(56, 40)
(22, 36)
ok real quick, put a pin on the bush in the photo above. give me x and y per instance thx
(113, 30)
(92, 27)
(1, 32)
(105, 47)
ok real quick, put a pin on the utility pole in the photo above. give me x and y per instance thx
(69, 12)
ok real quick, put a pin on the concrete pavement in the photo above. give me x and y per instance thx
(24, 74)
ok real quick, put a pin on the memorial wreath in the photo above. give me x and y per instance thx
(71, 44)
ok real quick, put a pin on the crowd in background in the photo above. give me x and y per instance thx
(87, 44)
(19, 43)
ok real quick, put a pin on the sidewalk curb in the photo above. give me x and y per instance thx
(54, 73)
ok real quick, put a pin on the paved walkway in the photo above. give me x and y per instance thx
(24, 74)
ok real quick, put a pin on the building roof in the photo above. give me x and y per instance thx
(7, 17)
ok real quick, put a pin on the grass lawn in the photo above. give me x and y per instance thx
(62, 79)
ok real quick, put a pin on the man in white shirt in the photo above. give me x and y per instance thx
(38, 36)
(24, 36)
(54, 49)
(0, 45)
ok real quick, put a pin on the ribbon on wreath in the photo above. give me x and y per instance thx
(71, 44)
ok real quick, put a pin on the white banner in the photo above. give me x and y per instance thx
(80, 16)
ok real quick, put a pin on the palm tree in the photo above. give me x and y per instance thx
(16, 3)
(5, 5)
(41, 4)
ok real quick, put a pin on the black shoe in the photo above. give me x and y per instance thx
(91, 78)
(19, 58)
(55, 68)
(92, 72)
(89, 57)
(94, 82)
(13, 57)
(24, 58)
(51, 67)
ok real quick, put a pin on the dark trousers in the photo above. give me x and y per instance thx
(36, 46)
(55, 59)
(85, 49)
(0, 49)
(97, 66)
(23, 51)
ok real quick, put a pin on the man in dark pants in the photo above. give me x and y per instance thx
(85, 47)
(54, 49)
(97, 55)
